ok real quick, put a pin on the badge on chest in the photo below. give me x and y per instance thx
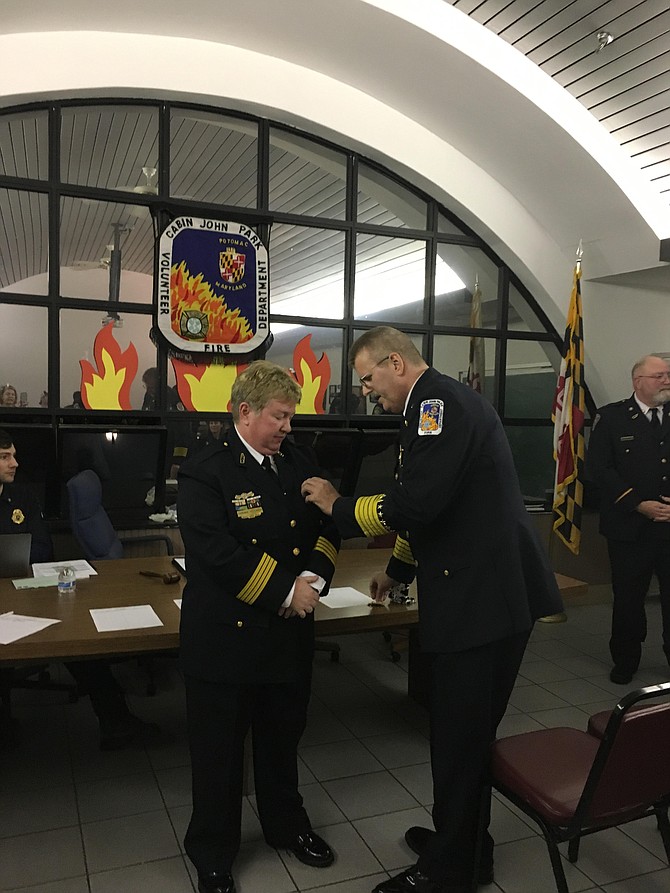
(431, 417)
(247, 505)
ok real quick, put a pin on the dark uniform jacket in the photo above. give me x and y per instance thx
(20, 512)
(248, 534)
(482, 574)
(629, 463)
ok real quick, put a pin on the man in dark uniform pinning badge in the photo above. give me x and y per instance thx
(628, 458)
(482, 578)
(258, 558)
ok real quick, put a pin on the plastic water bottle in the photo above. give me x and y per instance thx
(67, 580)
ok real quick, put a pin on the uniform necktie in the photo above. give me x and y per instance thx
(267, 464)
(655, 422)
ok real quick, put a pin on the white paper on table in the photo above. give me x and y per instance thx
(131, 617)
(345, 597)
(18, 626)
(177, 602)
(82, 568)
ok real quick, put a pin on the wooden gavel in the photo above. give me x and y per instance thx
(166, 578)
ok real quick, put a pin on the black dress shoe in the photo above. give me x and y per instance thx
(620, 677)
(417, 839)
(410, 881)
(311, 849)
(126, 732)
(216, 882)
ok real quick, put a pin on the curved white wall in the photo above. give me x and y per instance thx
(366, 77)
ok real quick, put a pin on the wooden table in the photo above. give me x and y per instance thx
(119, 583)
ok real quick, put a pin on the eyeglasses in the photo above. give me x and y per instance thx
(657, 376)
(366, 379)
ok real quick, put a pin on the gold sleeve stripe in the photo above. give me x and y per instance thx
(403, 551)
(367, 515)
(625, 493)
(180, 451)
(328, 549)
(258, 580)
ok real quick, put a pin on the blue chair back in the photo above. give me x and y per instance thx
(89, 521)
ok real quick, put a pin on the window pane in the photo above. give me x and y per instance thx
(306, 178)
(451, 355)
(383, 202)
(457, 270)
(307, 271)
(532, 368)
(213, 158)
(107, 251)
(110, 146)
(24, 145)
(316, 356)
(24, 242)
(23, 348)
(521, 317)
(532, 449)
(368, 405)
(390, 279)
(444, 225)
(109, 373)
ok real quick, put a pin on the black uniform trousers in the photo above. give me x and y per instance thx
(219, 716)
(469, 691)
(632, 567)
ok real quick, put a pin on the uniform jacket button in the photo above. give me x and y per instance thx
(240, 624)
(254, 541)
(296, 551)
(664, 461)
(293, 522)
(446, 572)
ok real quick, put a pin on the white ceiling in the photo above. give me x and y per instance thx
(551, 192)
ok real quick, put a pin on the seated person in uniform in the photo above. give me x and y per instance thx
(20, 513)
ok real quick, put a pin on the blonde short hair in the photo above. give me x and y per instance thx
(260, 383)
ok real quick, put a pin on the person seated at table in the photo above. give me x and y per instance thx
(9, 395)
(20, 513)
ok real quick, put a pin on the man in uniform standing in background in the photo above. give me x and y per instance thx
(629, 459)
(482, 579)
(257, 558)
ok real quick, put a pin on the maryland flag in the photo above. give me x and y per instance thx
(568, 418)
(475, 379)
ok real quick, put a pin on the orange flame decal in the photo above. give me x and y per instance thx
(108, 387)
(205, 388)
(312, 375)
(191, 294)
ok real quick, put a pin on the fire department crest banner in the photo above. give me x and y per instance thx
(212, 288)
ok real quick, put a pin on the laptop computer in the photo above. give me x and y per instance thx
(15, 555)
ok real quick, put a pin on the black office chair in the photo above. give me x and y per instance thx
(95, 534)
(91, 525)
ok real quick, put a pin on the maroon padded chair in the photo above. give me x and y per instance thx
(573, 783)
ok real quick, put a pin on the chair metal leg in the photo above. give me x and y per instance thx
(664, 828)
(573, 849)
(557, 865)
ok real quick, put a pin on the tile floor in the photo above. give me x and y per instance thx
(74, 820)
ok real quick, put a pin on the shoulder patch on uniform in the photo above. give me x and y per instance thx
(431, 416)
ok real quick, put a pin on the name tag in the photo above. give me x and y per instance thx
(628, 437)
